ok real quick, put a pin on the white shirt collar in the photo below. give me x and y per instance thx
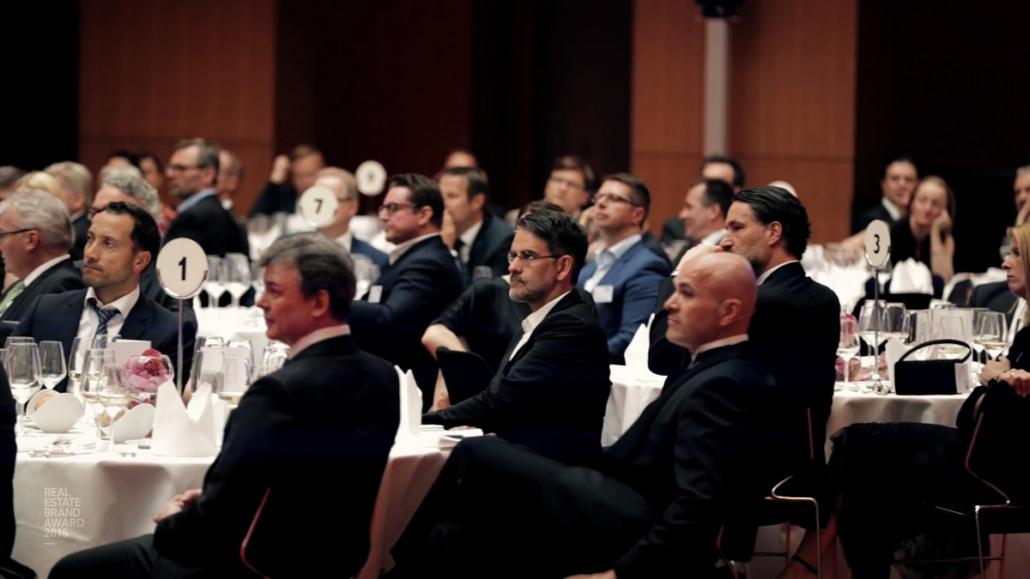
(730, 341)
(620, 248)
(893, 209)
(41, 269)
(765, 275)
(714, 238)
(404, 247)
(123, 304)
(533, 320)
(346, 240)
(318, 335)
(467, 239)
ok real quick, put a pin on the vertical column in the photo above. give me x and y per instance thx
(717, 82)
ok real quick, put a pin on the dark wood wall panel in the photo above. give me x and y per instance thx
(154, 72)
(667, 100)
(791, 108)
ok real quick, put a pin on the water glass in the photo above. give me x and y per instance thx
(23, 373)
(52, 364)
(236, 276)
(847, 346)
(213, 284)
(991, 333)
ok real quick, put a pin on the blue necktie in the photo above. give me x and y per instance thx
(104, 315)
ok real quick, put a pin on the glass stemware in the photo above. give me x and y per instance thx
(847, 346)
(113, 400)
(236, 276)
(871, 330)
(213, 285)
(991, 333)
(94, 375)
(23, 374)
(236, 372)
(53, 368)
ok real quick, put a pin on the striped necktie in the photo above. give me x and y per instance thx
(104, 315)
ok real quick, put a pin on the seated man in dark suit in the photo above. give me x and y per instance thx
(36, 236)
(325, 420)
(482, 240)
(898, 183)
(121, 242)
(345, 187)
(796, 325)
(625, 277)
(699, 456)
(191, 174)
(300, 168)
(421, 280)
(551, 389)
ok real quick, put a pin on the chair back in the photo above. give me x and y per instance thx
(465, 373)
(994, 455)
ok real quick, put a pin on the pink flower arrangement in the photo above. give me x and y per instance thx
(143, 374)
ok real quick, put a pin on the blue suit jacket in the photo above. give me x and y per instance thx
(634, 278)
(56, 317)
(364, 248)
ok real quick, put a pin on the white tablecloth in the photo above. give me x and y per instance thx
(632, 391)
(66, 504)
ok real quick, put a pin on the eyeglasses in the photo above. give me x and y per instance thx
(613, 198)
(391, 208)
(182, 168)
(4, 234)
(528, 257)
(568, 183)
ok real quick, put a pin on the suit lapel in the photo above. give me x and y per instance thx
(137, 321)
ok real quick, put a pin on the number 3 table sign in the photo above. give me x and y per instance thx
(877, 255)
(181, 271)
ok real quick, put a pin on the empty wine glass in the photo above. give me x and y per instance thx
(76, 361)
(213, 285)
(113, 400)
(871, 330)
(847, 346)
(94, 374)
(236, 276)
(23, 373)
(895, 321)
(236, 372)
(991, 333)
(53, 368)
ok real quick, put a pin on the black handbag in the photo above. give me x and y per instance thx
(928, 376)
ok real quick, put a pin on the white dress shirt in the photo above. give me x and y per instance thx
(607, 258)
(532, 321)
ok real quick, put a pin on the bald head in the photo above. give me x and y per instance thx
(714, 299)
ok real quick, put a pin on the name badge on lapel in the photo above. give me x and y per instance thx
(603, 294)
(375, 294)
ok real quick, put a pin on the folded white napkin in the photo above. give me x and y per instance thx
(411, 406)
(911, 277)
(182, 431)
(638, 348)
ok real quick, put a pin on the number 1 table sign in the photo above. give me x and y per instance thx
(181, 271)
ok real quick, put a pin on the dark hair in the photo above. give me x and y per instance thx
(718, 192)
(638, 192)
(9, 174)
(561, 232)
(769, 204)
(207, 153)
(322, 264)
(147, 154)
(145, 235)
(901, 159)
(538, 205)
(739, 177)
(576, 163)
(478, 182)
(303, 150)
(424, 193)
(130, 156)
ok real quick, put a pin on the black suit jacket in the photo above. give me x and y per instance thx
(317, 434)
(56, 317)
(864, 218)
(490, 248)
(210, 225)
(702, 455)
(60, 278)
(275, 198)
(414, 291)
(994, 296)
(360, 247)
(551, 396)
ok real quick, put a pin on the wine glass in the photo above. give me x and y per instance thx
(52, 363)
(112, 398)
(991, 333)
(76, 363)
(273, 358)
(895, 321)
(213, 283)
(94, 375)
(847, 346)
(871, 330)
(236, 371)
(236, 276)
(23, 373)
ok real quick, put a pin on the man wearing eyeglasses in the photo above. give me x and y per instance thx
(345, 188)
(550, 392)
(420, 280)
(35, 238)
(192, 173)
(625, 277)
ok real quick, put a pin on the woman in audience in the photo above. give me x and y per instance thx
(885, 476)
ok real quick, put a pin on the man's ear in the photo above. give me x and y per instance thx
(566, 264)
(729, 311)
(141, 260)
(478, 201)
(320, 303)
(774, 233)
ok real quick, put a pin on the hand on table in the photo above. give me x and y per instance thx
(994, 368)
(176, 504)
(610, 574)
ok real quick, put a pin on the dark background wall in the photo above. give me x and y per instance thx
(947, 82)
